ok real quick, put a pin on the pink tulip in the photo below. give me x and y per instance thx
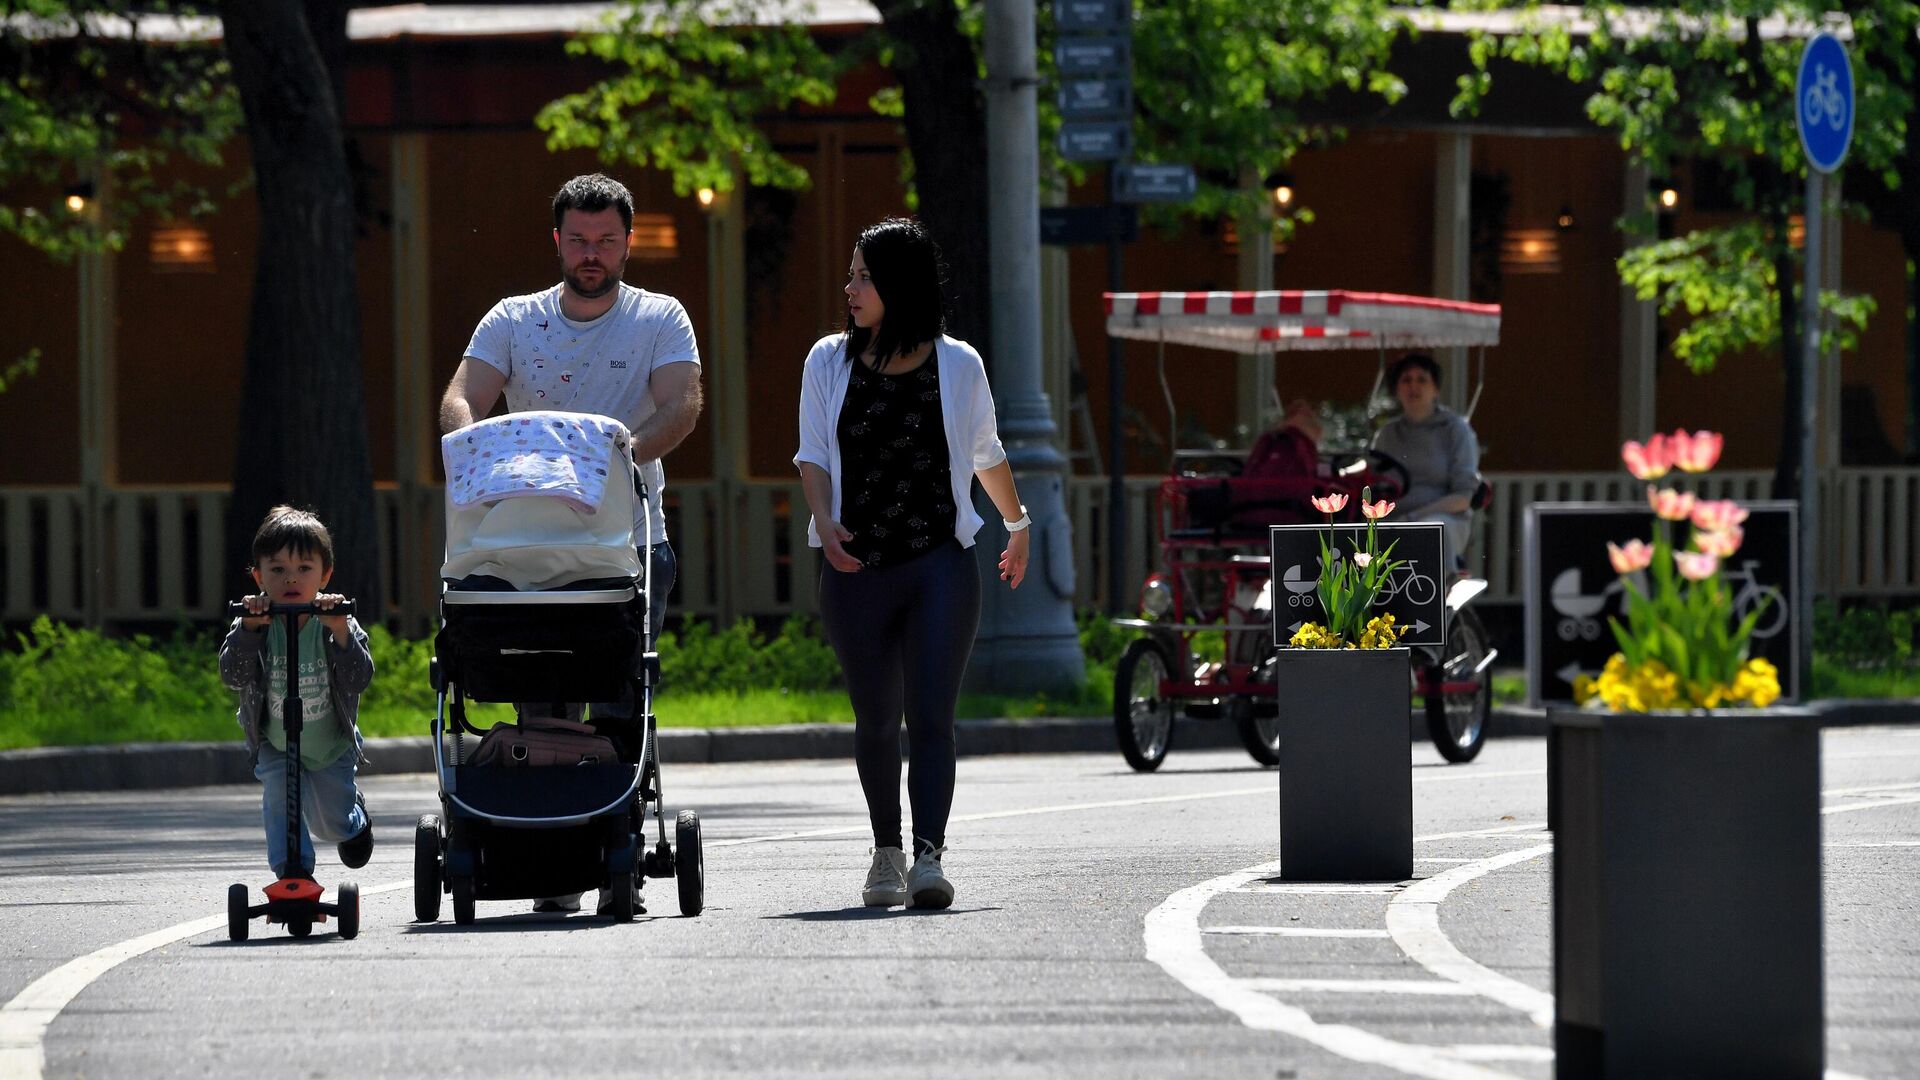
(1649, 462)
(1698, 452)
(1361, 559)
(1637, 555)
(1717, 515)
(1720, 543)
(1330, 504)
(1669, 504)
(1374, 511)
(1696, 565)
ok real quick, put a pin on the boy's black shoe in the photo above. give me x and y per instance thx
(355, 850)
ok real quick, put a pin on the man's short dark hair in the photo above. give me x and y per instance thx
(591, 194)
(1411, 360)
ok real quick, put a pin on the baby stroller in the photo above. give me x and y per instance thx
(546, 601)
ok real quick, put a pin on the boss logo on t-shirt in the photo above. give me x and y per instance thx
(617, 365)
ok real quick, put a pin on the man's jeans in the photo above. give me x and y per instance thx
(330, 805)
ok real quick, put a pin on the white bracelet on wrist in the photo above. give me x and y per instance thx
(1016, 526)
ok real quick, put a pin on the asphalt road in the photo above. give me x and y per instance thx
(1107, 925)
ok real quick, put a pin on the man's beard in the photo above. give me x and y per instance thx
(609, 280)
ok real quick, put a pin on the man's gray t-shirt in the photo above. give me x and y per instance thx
(603, 366)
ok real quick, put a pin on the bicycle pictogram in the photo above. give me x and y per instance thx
(1824, 101)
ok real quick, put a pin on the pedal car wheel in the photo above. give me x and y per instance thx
(1458, 722)
(348, 901)
(625, 896)
(426, 868)
(463, 901)
(236, 913)
(1142, 718)
(1261, 736)
(689, 863)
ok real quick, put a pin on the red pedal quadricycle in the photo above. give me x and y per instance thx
(1215, 574)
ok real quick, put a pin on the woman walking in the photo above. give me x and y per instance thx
(896, 420)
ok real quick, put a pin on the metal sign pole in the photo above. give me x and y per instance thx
(1116, 441)
(1809, 398)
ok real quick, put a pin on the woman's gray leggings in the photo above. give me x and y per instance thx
(903, 634)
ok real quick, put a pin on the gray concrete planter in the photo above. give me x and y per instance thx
(1686, 893)
(1346, 774)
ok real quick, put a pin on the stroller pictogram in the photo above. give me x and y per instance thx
(1578, 610)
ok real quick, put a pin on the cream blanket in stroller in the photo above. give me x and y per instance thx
(540, 500)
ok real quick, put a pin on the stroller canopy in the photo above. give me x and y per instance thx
(1269, 322)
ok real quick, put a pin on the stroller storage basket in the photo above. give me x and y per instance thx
(539, 646)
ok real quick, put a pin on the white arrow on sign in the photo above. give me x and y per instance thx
(1569, 673)
(1296, 626)
(1420, 626)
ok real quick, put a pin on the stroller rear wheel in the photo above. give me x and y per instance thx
(463, 901)
(625, 896)
(689, 863)
(426, 868)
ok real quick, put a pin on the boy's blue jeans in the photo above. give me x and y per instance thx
(330, 805)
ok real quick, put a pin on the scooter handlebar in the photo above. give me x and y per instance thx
(238, 610)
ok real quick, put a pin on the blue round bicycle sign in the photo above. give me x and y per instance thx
(1824, 102)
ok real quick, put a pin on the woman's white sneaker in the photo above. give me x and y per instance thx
(887, 880)
(927, 883)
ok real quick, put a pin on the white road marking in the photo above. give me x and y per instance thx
(1504, 832)
(1174, 942)
(1293, 931)
(1441, 858)
(1317, 887)
(1415, 987)
(1872, 789)
(25, 1019)
(1872, 843)
(1492, 1052)
(1872, 804)
(1413, 919)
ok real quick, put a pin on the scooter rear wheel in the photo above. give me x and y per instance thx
(348, 901)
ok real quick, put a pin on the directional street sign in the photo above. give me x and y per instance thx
(1063, 225)
(1824, 95)
(1081, 16)
(1096, 140)
(1078, 56)
(1096, 99)
(1154, 183)
(1415, 594)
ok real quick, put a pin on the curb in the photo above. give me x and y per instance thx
(143, 766)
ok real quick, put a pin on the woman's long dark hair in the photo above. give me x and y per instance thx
(905, 265)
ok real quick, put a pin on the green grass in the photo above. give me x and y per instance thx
(1833, 680)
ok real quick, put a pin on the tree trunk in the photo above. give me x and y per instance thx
(946, 121)
(303, 426)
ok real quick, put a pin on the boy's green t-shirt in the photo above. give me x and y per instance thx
(321, 740)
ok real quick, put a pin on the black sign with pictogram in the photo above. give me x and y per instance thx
(1415, 593)
(1571, 590)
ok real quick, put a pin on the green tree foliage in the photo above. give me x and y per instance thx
(1712, 81)
(690, 80)
(87, 95)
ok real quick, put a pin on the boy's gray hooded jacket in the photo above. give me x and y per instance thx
(243, 667)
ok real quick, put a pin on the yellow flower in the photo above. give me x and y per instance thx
(1314, 636)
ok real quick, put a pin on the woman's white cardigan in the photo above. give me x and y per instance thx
(966, 407)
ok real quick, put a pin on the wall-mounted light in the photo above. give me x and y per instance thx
(705, 195)
(180, 248)
(1230, 239)
(1797, 231)
(1530, 251)
(1666, 194)
(654, 237)
(1565, 220)
(78, 195)
(1281, 185)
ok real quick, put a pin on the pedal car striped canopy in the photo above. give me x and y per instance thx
(1281, 321)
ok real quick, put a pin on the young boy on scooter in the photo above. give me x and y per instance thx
(292, 563)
